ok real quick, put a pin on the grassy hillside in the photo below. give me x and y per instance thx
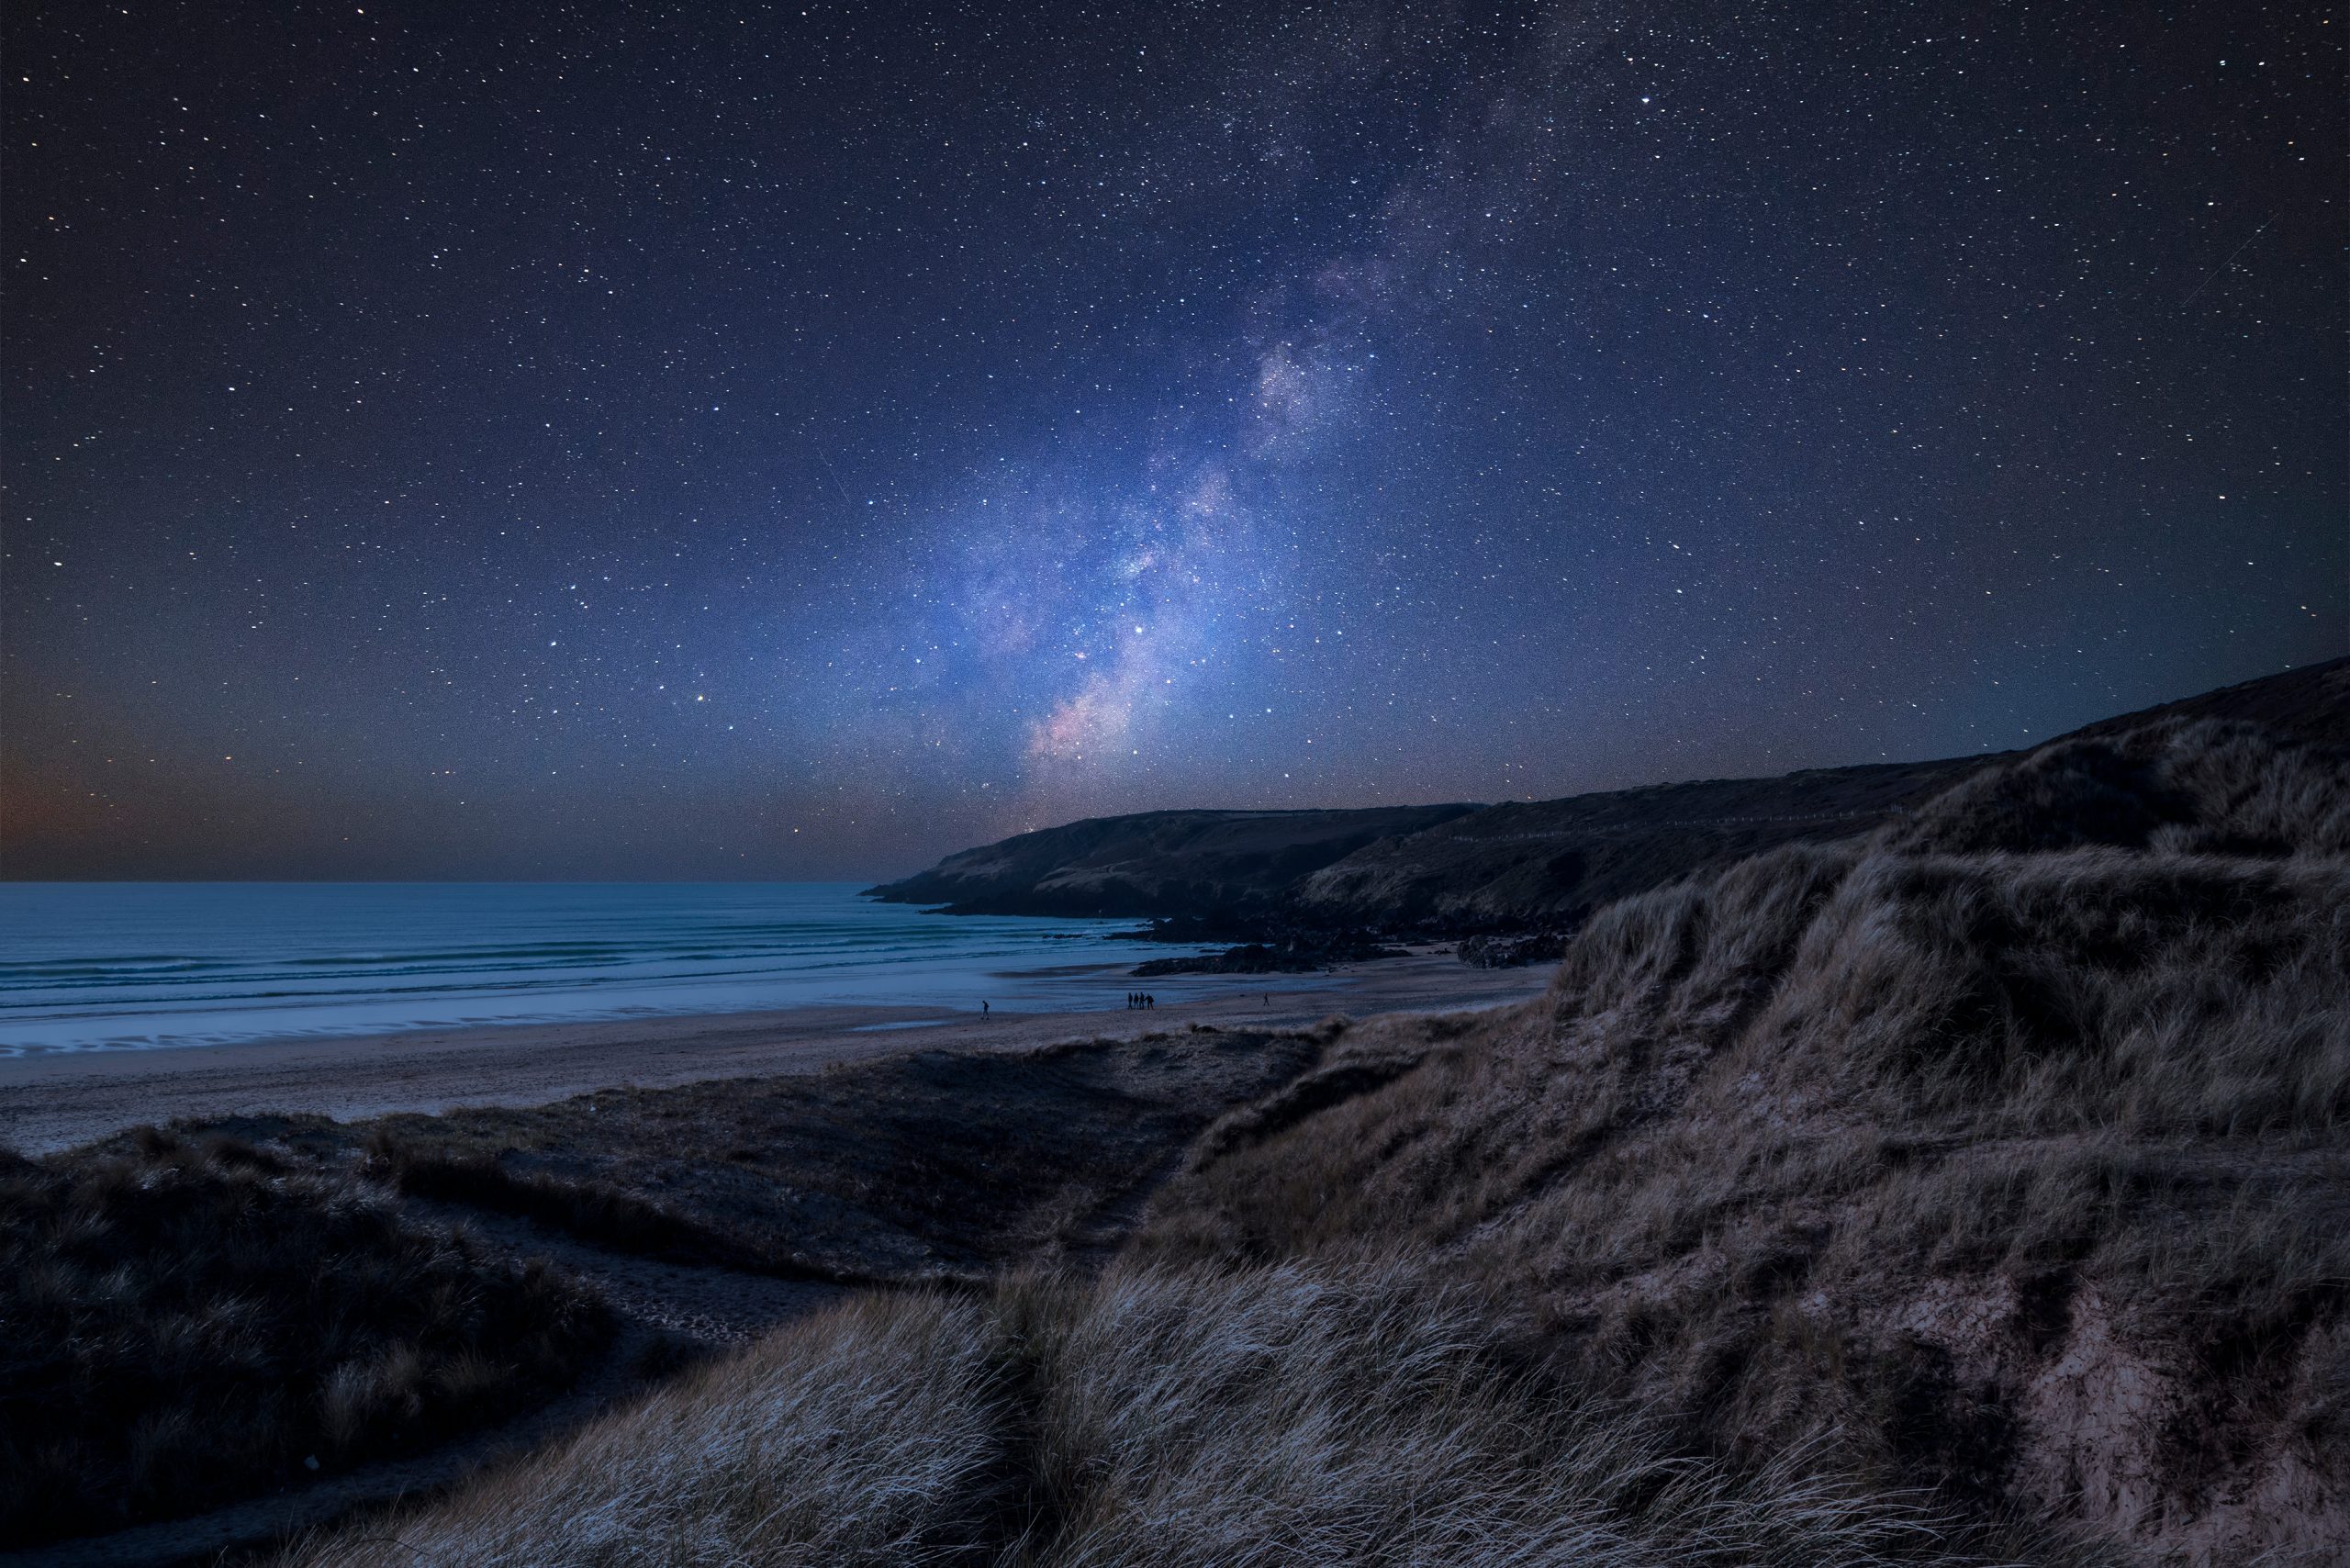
(2004, 1152)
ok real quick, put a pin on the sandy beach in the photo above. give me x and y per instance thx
(56, 1100)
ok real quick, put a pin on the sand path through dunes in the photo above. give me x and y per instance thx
(61, 1099)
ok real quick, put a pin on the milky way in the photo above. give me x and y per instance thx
(778, 442)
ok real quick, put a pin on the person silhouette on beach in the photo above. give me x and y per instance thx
(983, 1009)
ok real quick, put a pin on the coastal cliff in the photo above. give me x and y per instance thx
(1158, 864)
(1539, 864)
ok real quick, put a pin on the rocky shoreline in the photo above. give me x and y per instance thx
(1299, 952)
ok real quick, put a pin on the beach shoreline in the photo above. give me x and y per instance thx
(60, 1099)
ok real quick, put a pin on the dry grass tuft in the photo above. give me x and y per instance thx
(872, 1435)
(1294, 1415)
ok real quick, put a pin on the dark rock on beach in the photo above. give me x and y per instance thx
(1300, 952)
(1511, 952)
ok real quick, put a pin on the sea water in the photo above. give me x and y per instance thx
(97, 965)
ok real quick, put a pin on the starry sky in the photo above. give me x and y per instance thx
(797, 440)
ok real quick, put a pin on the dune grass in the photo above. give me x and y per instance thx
(1291, 1415)
(872, 1434)
(188, 1322)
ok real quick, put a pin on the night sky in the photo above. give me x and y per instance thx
(699, 441)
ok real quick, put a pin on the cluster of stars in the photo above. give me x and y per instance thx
(863, 430)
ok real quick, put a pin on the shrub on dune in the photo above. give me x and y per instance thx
(189, 1322)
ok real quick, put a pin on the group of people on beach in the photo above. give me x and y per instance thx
(1140, 999)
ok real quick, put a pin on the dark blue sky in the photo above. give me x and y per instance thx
(797, 441)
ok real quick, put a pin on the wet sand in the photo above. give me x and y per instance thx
(56, 1100)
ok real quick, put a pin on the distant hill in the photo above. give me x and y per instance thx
(1158, 863)
(2308, 706)
(1459, 869)
(1552, 862)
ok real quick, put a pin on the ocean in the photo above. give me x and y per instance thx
(88, 966)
